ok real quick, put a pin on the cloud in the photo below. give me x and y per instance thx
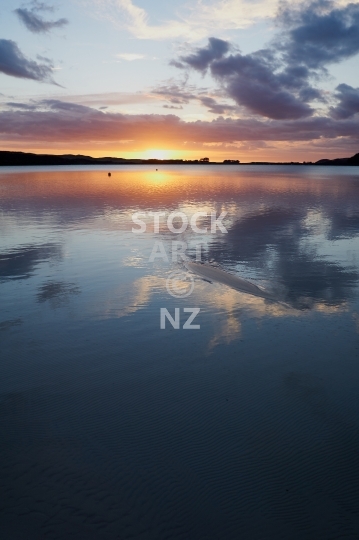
(318, 32)
(35, 23)
(136, 21)
(182, 94)
(111, 98)
(130, 57)
(55, 121)
(177, 93)
(41, 6)
(279, 82)
(348, 102)
(15, 64)
(202, 58)
(192, 21)
(23, 106)
(63, 106)
(215, 107)
(252, 80)
(231, 14)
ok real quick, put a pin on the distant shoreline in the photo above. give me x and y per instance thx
(25, 159)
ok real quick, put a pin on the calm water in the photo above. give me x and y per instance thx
(113, 428)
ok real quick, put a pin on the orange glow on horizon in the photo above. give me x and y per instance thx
(158, 154)
(280, 152)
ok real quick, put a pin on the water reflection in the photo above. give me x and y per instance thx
(114, 428)
(57, 293)
(272, 240)
(6, 325)
(345, 223)
(21, 262)
(285, 227)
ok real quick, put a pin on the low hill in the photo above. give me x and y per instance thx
(354, 160)
(24, 159)
(19, 159)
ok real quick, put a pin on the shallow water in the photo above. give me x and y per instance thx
(115, 428)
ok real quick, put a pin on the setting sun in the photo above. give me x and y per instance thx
(158, 154)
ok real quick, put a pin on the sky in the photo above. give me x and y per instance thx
(261, 80)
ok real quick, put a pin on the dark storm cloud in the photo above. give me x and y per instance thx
(348, 102)
(35, 23)
(15, 64)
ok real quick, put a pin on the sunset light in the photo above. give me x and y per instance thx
(174, 82)
(158, 154)
(179, 269)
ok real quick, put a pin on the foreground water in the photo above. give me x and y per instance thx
(113, 428)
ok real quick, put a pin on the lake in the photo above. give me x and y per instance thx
(242, 423)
